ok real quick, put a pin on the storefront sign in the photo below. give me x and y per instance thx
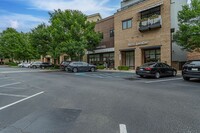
(138, 43)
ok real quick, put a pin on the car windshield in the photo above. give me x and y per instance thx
(195, 63)
(148, 64)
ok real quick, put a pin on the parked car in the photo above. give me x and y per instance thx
(35, 65)
(26, 65)
(44, 65)
(191, 69)
(155, 69)
(80, 66)
(64, 64)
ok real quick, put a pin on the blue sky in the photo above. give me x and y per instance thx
(24, 15)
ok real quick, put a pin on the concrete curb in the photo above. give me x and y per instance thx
(130, 71)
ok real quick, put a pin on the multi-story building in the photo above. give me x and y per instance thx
(104, 53)
(94, 17)
(143, 32)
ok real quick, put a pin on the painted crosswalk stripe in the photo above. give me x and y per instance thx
(122, 128)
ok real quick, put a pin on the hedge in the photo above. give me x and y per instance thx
(100, 67)
(123, 68)
(11, 64)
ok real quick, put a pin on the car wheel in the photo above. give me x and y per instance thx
(92, 69)
(66, 69)
(75, 70)
(157, 75)
(141, 76)
(186, 78)
(42, 67)
(34, 67)
(174, 73)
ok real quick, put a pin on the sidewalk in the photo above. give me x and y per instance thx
(129, 71)
(111, 70)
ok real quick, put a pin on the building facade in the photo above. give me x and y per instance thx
(104, 53)
(143, 32)
(193, 55)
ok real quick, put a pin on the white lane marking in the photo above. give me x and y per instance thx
(156, 81)
(10, 84)
(122, 128)
(4, 107)
(12, 95)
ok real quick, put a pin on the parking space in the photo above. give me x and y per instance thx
(114, 102)
(13, 91)
(106, 75)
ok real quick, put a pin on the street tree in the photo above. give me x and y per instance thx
(40, 39)
(188, 35)
(9, 43)
(71, 34)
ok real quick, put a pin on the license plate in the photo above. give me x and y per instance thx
(141, 69)
(194, 69)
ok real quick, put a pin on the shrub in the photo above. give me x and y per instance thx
(56, 66)
(123, 68)
(11, 64)
(100, 67)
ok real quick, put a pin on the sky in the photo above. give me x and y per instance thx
(24, 15)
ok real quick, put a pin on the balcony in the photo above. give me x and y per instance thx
(152, 22)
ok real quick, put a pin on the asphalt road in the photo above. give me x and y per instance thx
(33, 101)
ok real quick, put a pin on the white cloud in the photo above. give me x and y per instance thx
(86, 6)
(21, 22)
(14, 24)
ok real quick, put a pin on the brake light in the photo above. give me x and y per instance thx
(148, 68)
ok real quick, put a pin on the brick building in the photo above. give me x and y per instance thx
(104, 53)
(143, 32)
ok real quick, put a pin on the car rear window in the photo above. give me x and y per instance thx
(148, 64)
(195, 63)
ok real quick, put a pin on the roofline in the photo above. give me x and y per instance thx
(104, 19)
(96, 14)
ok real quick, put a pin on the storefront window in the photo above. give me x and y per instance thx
(152, 55)
(100, 59)
(130, 59)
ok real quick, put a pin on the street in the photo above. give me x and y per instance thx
(35, 101)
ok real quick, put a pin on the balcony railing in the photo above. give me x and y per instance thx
(153, 22)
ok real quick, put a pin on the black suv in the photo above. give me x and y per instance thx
(80, 66)
(64, 64)
(191, 69)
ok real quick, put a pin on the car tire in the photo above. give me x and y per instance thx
(186, 78)
(157, 75)
(66, 69)
(92, 69)
(141, 76)
(34, 67)
(75, 70)
(174, 73)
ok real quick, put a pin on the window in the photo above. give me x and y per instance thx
(112, 33)
(126, 24)
(152, 55)
(150, 12)
(130, 59)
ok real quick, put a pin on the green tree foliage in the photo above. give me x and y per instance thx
(71, 34)
(15, 45)
(188, 35)
(40, 39)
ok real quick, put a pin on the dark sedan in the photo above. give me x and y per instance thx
(81, 66)
(191, 69)
(45, 65)
(155, 69)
